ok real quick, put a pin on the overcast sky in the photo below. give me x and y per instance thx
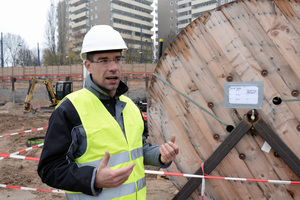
(26, 18)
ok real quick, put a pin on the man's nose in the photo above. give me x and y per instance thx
(113, 66)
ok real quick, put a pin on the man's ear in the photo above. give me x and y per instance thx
(87, 65)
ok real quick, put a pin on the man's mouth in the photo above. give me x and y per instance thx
(112, 78)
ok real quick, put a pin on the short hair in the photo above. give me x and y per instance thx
(90, 55)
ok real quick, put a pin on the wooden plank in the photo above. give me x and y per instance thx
(291, 11)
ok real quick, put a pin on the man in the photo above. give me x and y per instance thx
(94, 146)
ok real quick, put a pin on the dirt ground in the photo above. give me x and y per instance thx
(19, 172)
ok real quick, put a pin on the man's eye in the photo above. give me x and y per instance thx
(118, 59)
(104, 61)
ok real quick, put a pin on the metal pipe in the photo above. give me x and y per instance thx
(161, 41)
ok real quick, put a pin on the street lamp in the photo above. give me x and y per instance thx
(141, 52)
(2, 59)
(38, 51)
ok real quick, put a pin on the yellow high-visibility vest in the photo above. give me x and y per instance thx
(103, 133)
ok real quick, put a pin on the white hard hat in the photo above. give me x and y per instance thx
(101, 38)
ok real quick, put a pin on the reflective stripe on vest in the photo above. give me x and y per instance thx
(111, 193)
(104, 133)
(118, 158)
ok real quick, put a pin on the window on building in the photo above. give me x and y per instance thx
(96, 7)
(171, 3)
(96, 16)
(92, 17)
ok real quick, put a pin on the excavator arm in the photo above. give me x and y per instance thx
(29, 95)
(51, 93)
(30, 91)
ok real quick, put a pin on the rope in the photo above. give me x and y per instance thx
(223, 178)
(287, 100)
(214, 116)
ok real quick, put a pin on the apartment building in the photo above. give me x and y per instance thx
(167, 19)
(79, 23)
(175, 15)
(132, 18)
(189, 10)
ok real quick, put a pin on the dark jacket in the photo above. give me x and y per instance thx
(57, 167)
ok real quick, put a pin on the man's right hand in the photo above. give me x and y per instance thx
(109, 178)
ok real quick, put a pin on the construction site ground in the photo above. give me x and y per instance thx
(21, 172)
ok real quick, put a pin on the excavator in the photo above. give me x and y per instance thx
(62, 89)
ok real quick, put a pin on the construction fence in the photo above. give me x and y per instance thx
(14, 81)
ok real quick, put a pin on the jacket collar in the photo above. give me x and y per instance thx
(91, 86)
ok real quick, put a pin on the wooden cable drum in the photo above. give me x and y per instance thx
(241, 42)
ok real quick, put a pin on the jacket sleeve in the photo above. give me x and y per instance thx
(56, 168)
(152, 155)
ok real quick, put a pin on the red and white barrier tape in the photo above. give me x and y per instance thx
(29, 148)
(222, 178)
(5, 155)
(32, 189)
(27, 131)
(24, 150)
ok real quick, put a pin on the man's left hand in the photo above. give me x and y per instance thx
(169, 151)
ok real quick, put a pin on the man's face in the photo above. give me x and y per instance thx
(106, 71)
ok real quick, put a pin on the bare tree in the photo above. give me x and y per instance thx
(147, 52)
(131, 55)
(13, 46)
(63, 26)
(50, 55)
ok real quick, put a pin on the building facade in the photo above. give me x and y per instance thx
(175, 15)
(167, 20)
(133, 19)
(79, 23)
